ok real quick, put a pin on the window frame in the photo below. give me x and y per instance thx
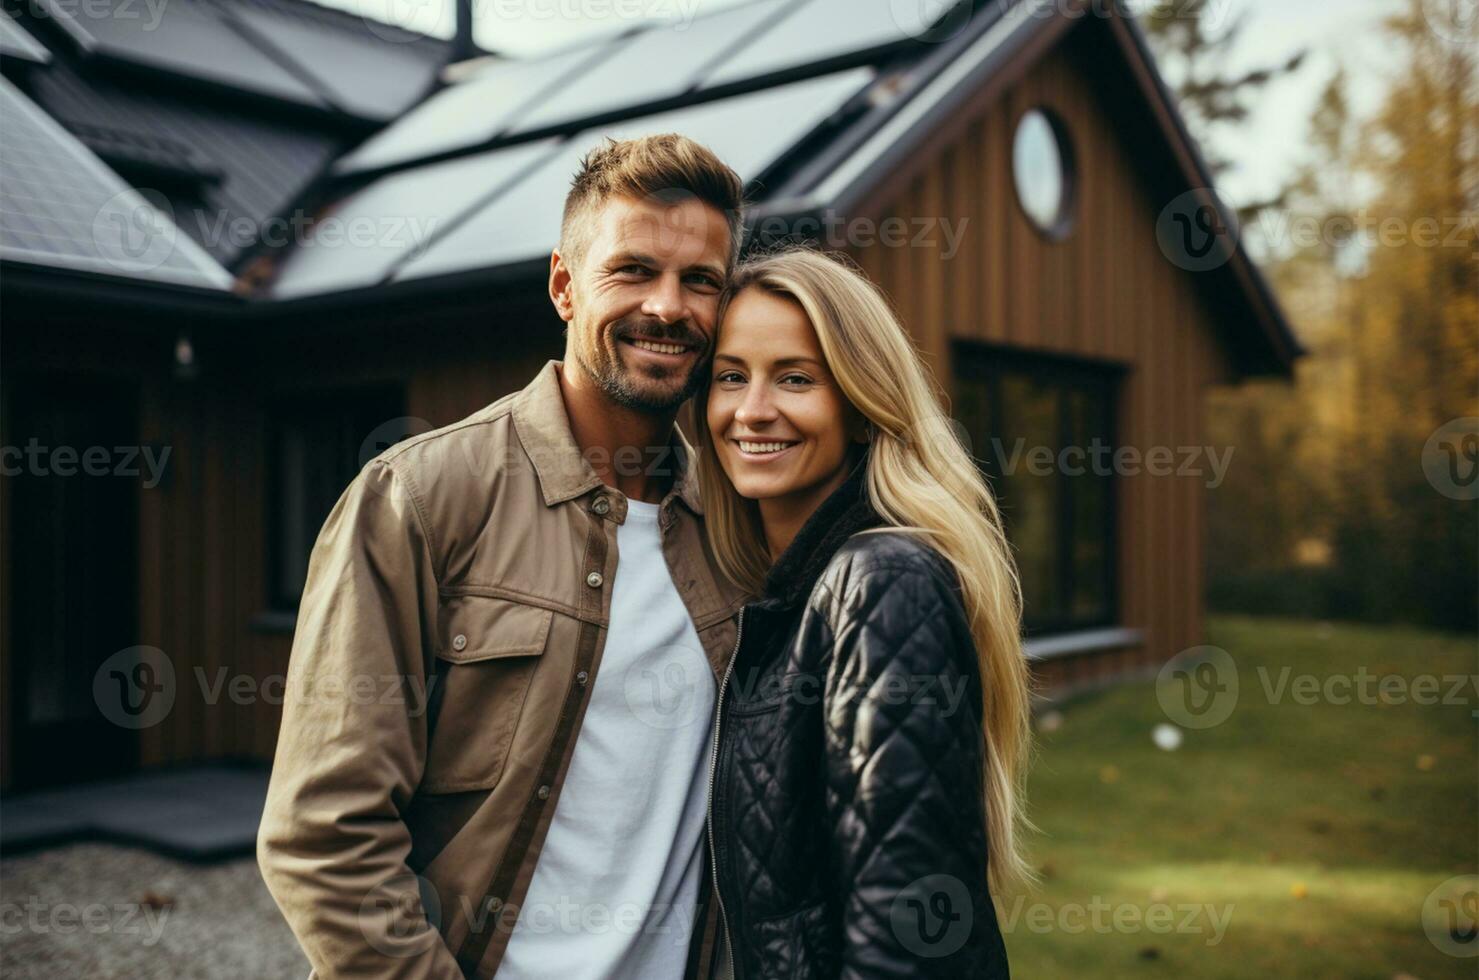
(1101, 379)
(358, 402)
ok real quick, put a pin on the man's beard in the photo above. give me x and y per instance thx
(634, 389)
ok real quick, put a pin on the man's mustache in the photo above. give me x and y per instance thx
(678, 333)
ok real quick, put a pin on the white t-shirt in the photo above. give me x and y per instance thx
(616, 886)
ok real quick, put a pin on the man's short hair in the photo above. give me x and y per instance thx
(669, 167)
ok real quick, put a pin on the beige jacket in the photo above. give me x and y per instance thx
(449, 635)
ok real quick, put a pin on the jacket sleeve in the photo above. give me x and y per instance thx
(905, 769)
(332, 845)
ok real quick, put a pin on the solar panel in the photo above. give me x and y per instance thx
(386, 221)
(374, 81)
(15, 42)
(182, 37)
(750, 132)
(661, 62)
(60, 207)
(469, 113)
(823, 29)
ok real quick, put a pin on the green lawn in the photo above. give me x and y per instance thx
(1290, 840)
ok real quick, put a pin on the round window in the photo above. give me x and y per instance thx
(1042, 166)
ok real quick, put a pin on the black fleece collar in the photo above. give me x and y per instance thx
(839, 517)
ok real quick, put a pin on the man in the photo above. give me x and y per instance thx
(531, 799)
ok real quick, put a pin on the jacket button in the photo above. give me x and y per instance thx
(581, 678)
(594, 580)
(459, 642)
(544, 792)
(601, 506)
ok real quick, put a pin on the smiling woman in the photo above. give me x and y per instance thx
(783, 429)
(834, 491)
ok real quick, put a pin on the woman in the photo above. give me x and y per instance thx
(872, 729)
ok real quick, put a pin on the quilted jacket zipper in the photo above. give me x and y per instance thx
(713, 772)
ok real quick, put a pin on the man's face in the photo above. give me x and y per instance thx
(642, 299)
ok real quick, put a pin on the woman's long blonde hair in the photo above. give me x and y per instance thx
(920, 479)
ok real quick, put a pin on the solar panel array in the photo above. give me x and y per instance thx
(504, 206)
(648, 69)
(362, 238)
(750, 132)
(468, 114)
(61, 207)
(257, 48)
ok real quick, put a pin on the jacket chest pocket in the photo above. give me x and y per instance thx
(488, 649)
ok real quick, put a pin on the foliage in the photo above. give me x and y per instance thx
(1327, 491)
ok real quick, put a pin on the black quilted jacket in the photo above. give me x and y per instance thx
(846, 815)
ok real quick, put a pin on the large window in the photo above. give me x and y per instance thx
(317, 444)
(1042, 431)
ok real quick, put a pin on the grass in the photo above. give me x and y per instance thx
(1312, 832)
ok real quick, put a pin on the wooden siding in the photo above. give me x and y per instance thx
(1105, 292)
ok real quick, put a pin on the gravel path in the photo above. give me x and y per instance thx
(103, 911)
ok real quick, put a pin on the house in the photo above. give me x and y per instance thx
(223, 297)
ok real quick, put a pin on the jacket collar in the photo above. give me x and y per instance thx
(564, 473)
(838, 518)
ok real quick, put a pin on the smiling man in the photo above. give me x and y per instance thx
(538, 578)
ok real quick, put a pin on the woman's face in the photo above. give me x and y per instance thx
(778, 420)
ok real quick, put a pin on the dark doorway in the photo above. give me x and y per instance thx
(72, 463)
